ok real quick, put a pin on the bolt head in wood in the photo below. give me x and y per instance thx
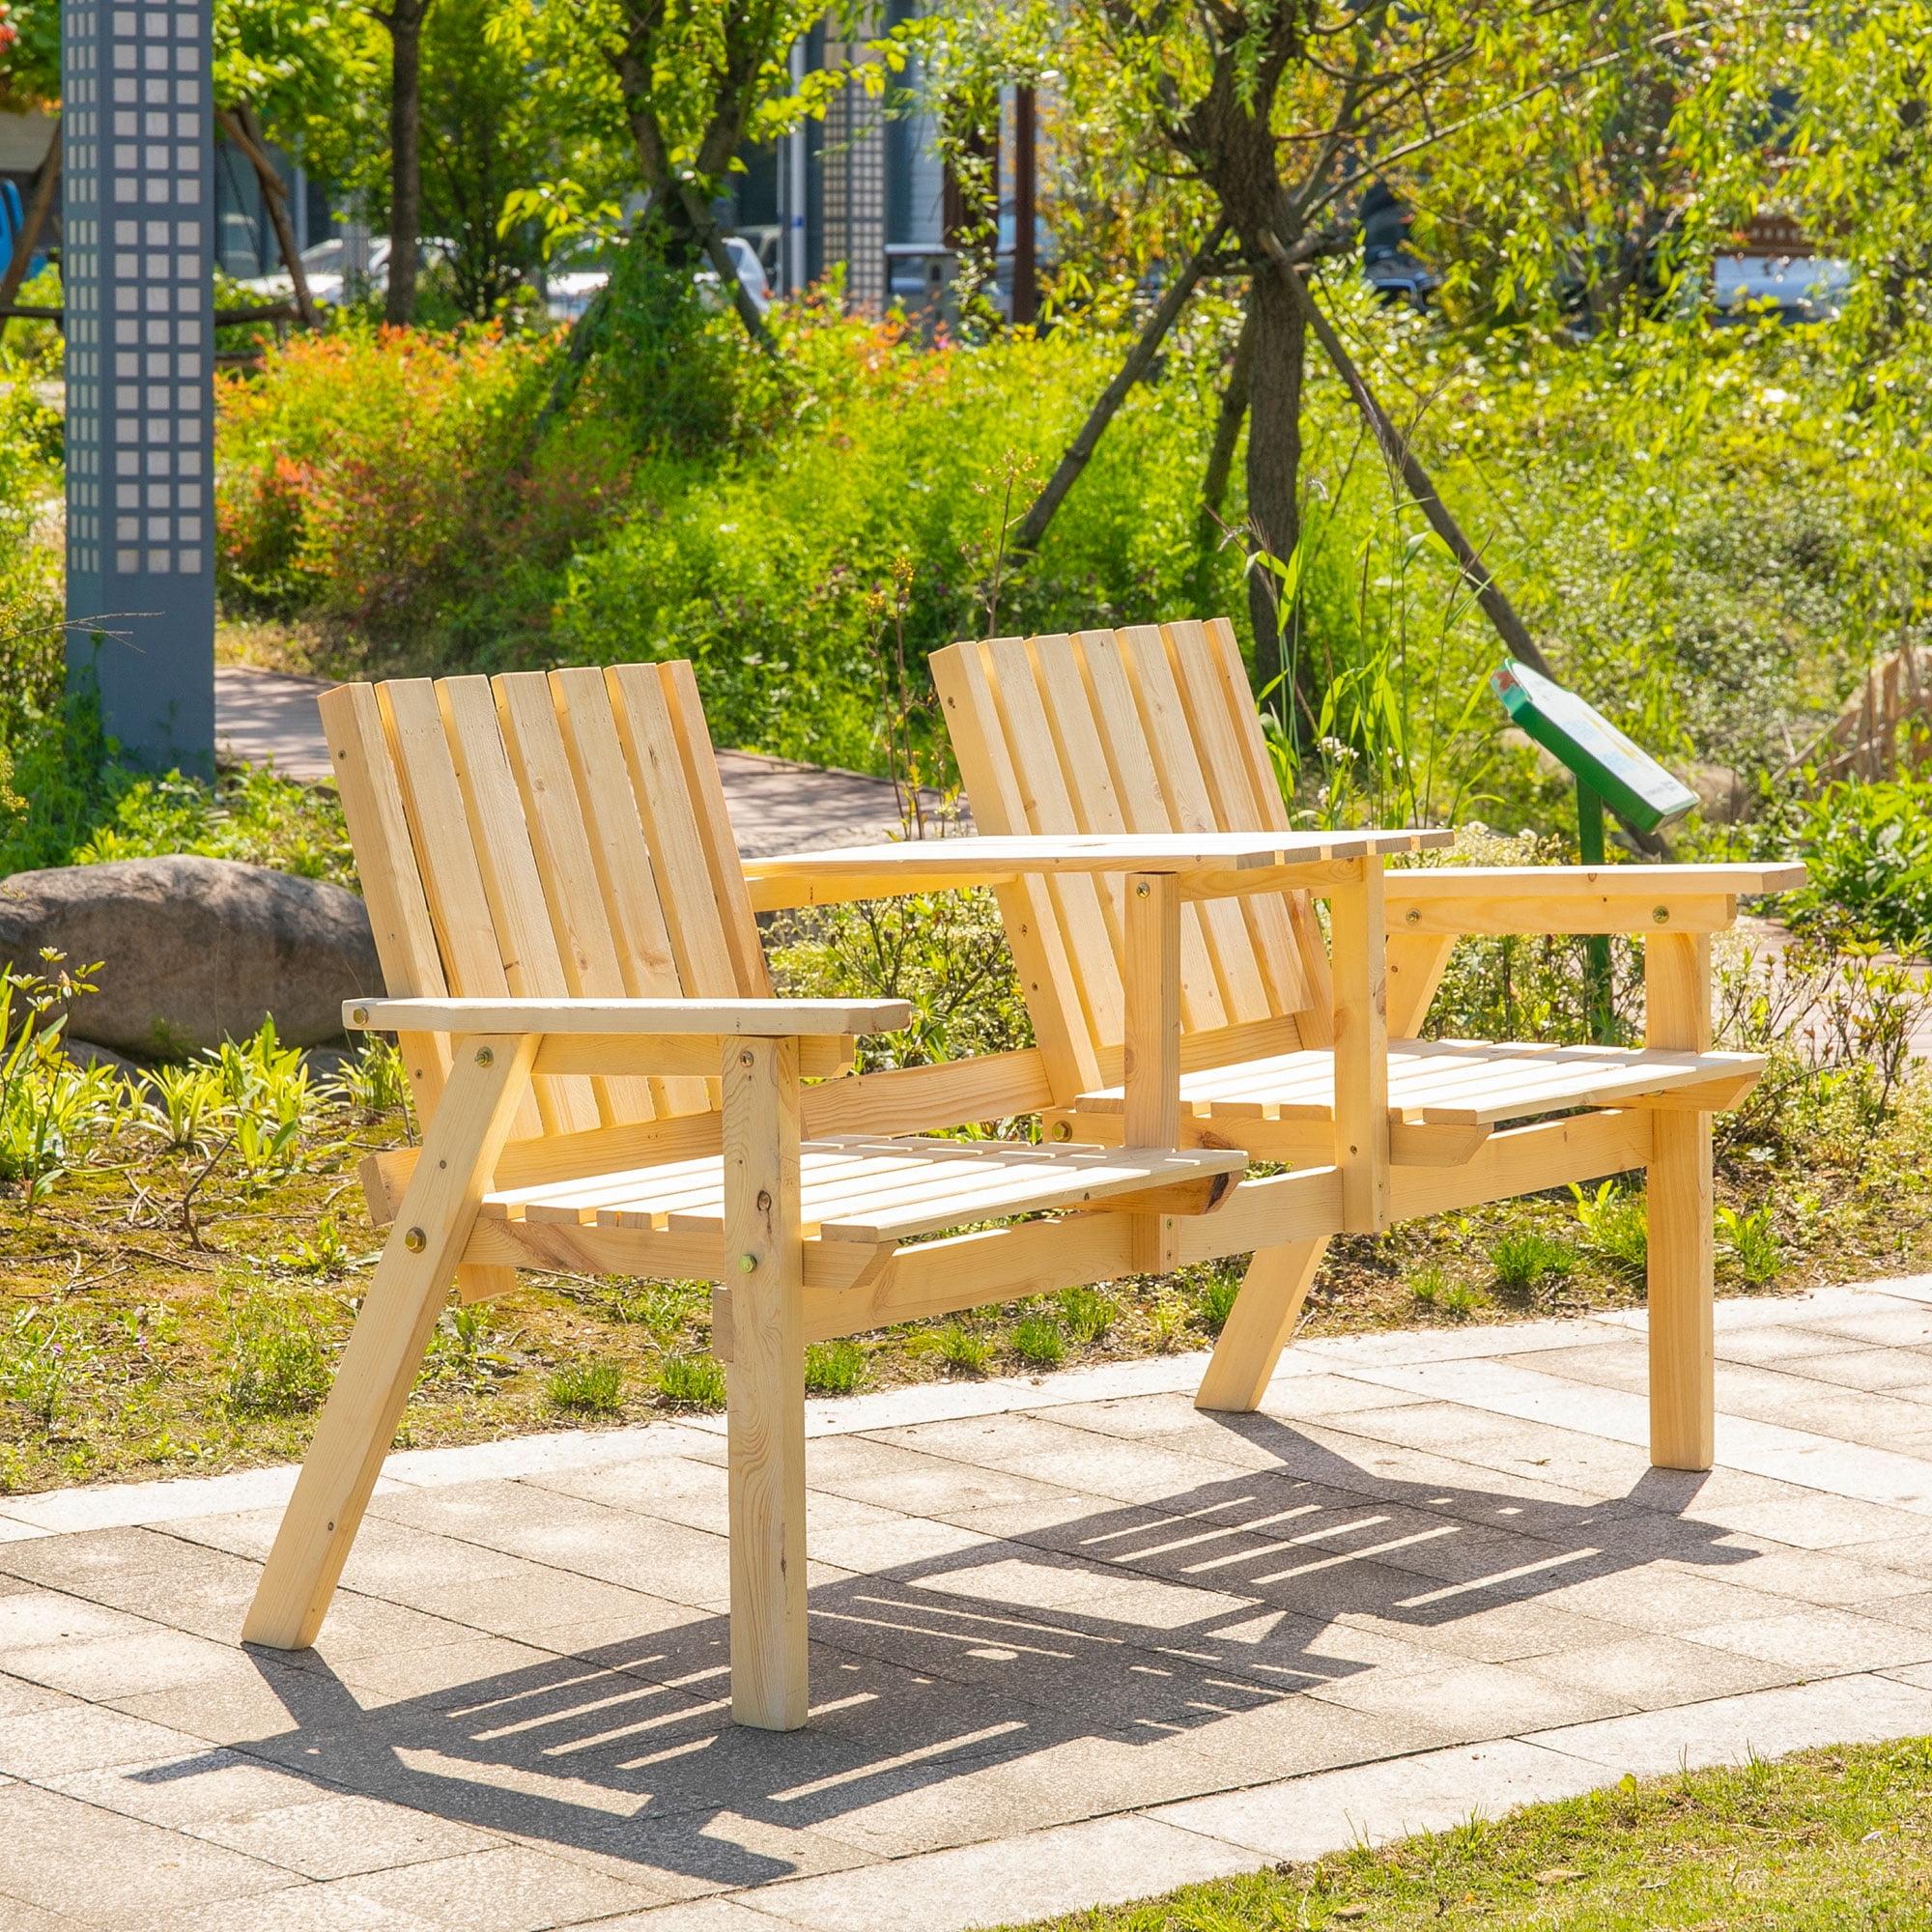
(1660, 914)
(1413, 915)
(746, 1058)
(486, 1056)
(360, 1016)
(415, 1240)
(748, 1264)
(1063, 1130)
(1140, 888)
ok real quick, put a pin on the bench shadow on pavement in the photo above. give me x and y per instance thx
(949, 1665)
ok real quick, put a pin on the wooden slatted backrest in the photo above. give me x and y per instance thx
(545, 835)
(1146, 730)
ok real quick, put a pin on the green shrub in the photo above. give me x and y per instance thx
(276, 1361)
(691, 1382)
(1428, 1285)
(1216, 1300)
(587, 1388)
(1087, 1314)
(1867, 846)
(1616, 1225)
(1038, 1341)
(1461, 1300)
(833, 1368)
(1527, 1258)
(1748, 1245)
(964, 1350)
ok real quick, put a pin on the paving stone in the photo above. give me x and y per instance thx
(17, 1695)
(1653, 1671)
(1860, 1709)
(1783, 1342)
(72, 1736)
(256, 1694)
(297, 1907)
(698, 1915)
(18, 1916)
(31, 1617)
(1105, 1862)
(1835, 1579)
(146, 1574)
(700, 1852)
(1513, 1630)
(105, 1869)
(186, 1793)
(893, 1477)
(1042, 1446)
(509, 1889)
(1465, 1703)
(119, 1667)
(1902, 1371)
(1820, 1640)
(1306, 1818)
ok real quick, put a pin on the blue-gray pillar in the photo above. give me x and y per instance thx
(137, 218)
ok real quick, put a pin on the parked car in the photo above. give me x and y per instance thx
(326, 267)
(568, 291)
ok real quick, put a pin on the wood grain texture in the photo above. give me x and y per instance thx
(386, 1348)
(765, 1400)
(1360, 1016)
(1683, 1401)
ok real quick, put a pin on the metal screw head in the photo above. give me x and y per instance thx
(1063, 1130)
(1140, 888)
(361, 1015)
(486, 1056)
(1660, 914)
(746, 1058)
(748, 1264)
(415, 1240)
(1413, 915)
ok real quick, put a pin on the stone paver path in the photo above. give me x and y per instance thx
(263, 716)
(1075, 1643)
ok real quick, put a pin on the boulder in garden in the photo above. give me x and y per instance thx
(194, 951)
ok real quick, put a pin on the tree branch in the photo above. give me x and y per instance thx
(1033, 526)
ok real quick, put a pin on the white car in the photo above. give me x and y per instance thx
(567, 293)
(327, 267)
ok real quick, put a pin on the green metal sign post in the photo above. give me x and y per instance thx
(1609, 769)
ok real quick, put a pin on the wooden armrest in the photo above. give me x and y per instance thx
(948, 864)
(1578, 899)
(745, 1019)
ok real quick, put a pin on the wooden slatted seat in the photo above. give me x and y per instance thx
(1451, 1083)
(856, 1189)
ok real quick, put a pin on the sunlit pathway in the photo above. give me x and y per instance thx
(1075, 1643)
(265, 717)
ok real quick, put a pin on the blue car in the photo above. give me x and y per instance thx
(13, 219)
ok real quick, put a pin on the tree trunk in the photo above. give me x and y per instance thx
(241, 127)
(34, 219)
(1274, 459)
(405, 22)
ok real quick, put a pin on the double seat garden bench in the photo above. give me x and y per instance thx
(606, 1083)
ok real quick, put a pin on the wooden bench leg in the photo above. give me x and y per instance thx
(1683, 1396)
(1257, 1326)
(358, 1421)
(1683, 1402)
(765, 1410)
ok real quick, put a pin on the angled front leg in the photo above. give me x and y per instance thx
(358, 1421)
(764, 1253)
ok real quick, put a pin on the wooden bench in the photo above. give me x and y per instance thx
(605, 1083)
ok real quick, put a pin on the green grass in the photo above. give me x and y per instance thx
(1827, 1841)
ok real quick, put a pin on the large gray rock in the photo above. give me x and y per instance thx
(194, 951)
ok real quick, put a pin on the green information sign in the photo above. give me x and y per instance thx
(1609, 771)
(1623, 775)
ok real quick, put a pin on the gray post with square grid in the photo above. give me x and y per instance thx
(138, 214)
